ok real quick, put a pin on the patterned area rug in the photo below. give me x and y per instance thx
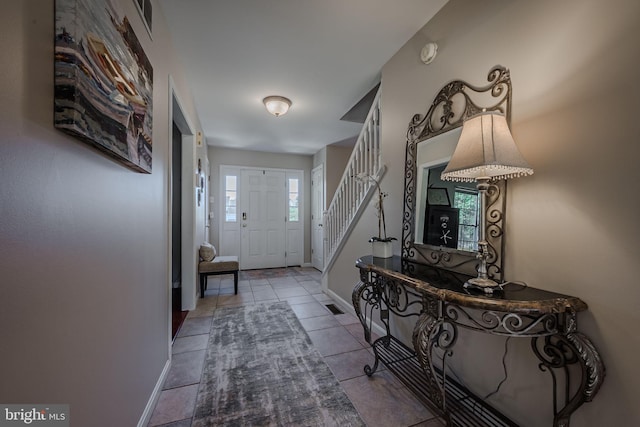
(261, 369)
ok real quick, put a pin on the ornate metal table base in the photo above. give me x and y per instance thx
(463, 407)
(432, 295)
(557, 353)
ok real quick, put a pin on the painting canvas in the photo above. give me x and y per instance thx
(103, 81)
(441, 226)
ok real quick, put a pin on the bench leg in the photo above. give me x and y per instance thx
(235, 282)
(205, 276)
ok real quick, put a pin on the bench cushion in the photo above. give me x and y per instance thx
(220, 263)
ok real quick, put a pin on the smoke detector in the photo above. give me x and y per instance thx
(428, 52)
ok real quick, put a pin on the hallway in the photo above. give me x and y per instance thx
(381, 400)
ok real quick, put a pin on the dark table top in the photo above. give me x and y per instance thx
(447, 285)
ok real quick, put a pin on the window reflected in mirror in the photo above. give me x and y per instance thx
(467, 201)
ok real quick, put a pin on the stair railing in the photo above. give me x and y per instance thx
(352, 194)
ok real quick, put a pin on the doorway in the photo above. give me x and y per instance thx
(182, 143)
(177, 314)
(262, 216)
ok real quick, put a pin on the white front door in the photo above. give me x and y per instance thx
(262, 219)
(317, 216)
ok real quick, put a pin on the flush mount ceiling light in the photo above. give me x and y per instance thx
(277, 105)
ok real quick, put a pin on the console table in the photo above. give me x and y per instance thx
(437, 298)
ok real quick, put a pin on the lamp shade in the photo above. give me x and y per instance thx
(486, 150)
(277, 105)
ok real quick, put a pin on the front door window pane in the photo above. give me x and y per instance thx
(230, 198)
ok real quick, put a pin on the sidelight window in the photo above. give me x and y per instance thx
(294, 200)
(230, 199)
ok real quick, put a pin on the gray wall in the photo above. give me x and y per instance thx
(231, 157)
(335, 163)
(333, 159)
(570, 228)
(84, 252)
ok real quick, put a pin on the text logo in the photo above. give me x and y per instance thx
(34, 415)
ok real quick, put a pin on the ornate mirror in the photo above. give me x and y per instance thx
(439, 224)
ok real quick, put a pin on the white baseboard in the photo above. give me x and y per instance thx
(151, 404)
(348, 308)
(306, 265)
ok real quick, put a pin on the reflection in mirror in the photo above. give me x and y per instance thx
(446, 212)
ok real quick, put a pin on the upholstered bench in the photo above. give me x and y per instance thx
(212, 265)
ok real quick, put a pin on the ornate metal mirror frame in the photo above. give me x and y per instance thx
(456, 102)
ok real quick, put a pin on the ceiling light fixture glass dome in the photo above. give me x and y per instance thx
(277, 105)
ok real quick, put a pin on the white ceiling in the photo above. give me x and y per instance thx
(324, 55)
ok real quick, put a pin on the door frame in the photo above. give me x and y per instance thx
(189, 253)
(235, 170)
(322, 211)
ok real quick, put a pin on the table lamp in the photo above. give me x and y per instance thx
(485, 152)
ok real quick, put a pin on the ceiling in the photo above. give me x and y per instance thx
(324, 55)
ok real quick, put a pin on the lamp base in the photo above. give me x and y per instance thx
(485, 285)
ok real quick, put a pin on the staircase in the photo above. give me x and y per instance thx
(352, 194)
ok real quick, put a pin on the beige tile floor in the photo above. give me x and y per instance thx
(381, 399)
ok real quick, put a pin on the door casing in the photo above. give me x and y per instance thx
(317, 217)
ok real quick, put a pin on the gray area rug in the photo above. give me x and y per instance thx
(261, 369)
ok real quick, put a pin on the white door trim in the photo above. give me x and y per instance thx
(317, 218)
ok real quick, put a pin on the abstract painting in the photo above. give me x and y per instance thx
(103, 81)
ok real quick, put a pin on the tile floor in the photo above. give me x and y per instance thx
(381, 400)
